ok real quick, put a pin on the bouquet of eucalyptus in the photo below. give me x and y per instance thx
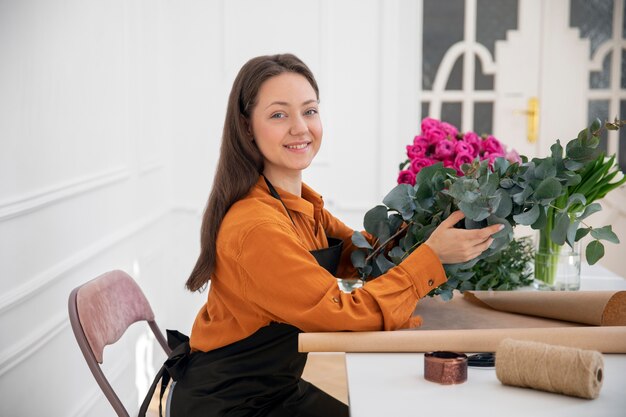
(556, 193)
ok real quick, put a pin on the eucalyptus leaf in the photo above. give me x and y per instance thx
(373, 218)
(589, 210)
(571, 233)
(383, 263)
(541, 221)
(528, 217)
(594, 252)
(576, 198)
(396, 254)
(548, 189)
(506, 204)
(546, 169)
(559, 232)
(400, 199)
(358, 258)
(359, 241)
(605, 233)
(582, 232)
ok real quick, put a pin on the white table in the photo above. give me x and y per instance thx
(393, 384)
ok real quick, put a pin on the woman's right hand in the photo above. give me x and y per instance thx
(460, 245)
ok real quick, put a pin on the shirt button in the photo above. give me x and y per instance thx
(335, 300)
(430, 282)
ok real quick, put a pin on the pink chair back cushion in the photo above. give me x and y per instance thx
(107, 306)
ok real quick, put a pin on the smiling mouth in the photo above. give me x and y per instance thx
(298, 146)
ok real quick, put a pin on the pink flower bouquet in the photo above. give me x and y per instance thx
(442, 142)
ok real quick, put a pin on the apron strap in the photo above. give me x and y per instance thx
(173, 368)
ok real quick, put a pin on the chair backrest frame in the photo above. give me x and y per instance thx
(90, 357)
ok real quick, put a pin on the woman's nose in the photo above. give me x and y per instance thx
(298, 126)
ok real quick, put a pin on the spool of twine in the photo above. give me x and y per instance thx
(559, 369)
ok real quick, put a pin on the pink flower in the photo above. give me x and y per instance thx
(492, 145)
(418, 163)
(406, 177)
(435, 135)
(474, 141)
(463, 147)
(417, 140)
(429, 124)
(462, 158)
(513, 157)
(444, 149)
(416, 151)
(450, 130)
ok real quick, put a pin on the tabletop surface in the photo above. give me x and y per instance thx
(393, 384)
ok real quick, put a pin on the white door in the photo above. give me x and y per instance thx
(530, 72)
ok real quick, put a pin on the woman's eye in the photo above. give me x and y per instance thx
(278, 115)
(311, 112)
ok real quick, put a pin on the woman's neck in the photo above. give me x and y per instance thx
(289, 183)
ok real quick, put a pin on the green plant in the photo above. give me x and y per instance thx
(556, 193)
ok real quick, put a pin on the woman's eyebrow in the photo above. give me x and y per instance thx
(284, 103)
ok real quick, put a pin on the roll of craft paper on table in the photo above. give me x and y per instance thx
(559, 369)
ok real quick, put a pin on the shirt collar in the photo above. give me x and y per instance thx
(310, 204)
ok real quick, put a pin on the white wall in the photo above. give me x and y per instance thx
(110, 119)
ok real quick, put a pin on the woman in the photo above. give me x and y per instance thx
(271, 251)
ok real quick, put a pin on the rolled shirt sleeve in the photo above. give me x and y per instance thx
(285, 282)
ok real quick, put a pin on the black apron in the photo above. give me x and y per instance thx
(259, 376)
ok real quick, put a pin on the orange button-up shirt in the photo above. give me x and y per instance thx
(264, 273)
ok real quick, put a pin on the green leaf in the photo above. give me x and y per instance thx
(557, 150)
(373, 219)
(580, 233)
(576, 198)
(396, 254)
(559, 232)
(359, 241)
(500, 165)
(395, 221)
(358, 258)
(477, 211)
(464, 189)
(595, 126)
(400, 199)
(542, 220)
(571, 178)
(383, 263)
(505, 206)
(571, 233)
(605, 233)
(548, 190)
(546, 169)
(506, 183)
(589, 210)
(573, 165)
(594, 252)
(528, 217)
(521, 197)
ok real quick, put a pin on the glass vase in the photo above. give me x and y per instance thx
(557, 267)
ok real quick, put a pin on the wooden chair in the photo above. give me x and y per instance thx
(100, 312)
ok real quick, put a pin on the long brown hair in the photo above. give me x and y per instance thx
(240, 162)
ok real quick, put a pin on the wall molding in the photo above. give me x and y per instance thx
(96, 394)
(36, 200)
(19, 352)
(34, 286)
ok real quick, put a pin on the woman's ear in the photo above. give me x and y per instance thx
(248, 128)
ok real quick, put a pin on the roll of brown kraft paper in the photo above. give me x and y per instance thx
(558, 369)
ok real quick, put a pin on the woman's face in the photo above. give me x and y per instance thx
(286, 125)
